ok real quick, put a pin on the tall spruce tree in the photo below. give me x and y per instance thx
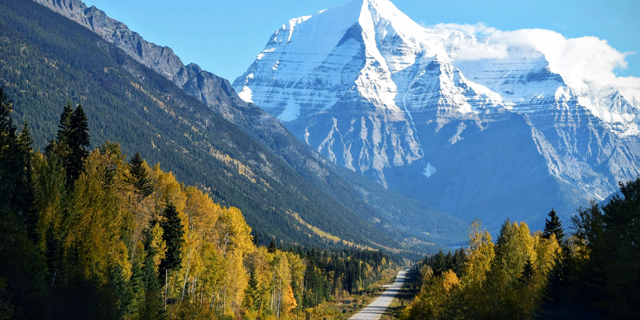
(71, 143)
(12, 163)
(140, 176)
(78, 144)
(172, 236)
(28, 204)
(64, 127)
(16, 188)
(272, 247)
(440, 264)
(553, 225)
(527, 272)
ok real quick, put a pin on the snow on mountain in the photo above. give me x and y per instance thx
(470, 123)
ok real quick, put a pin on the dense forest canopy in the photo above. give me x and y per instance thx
(593, 273)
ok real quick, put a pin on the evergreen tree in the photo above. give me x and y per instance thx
(24, 143)
(251, 293)
(64, 127)
(152, 307)
(527, 272)
(14, 154)
(459, 260)
(440, 264)
(272, 247)
(172, 235)
(71, 142)
(553, 226)
(78, 143)
(140, 176)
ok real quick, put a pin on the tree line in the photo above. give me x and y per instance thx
(93, 234)
(591, 273)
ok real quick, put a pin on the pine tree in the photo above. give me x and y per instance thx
(12, 163)
(152, 307)
(140, 176)
(272, 247)
(78, 143)
(527, 272)
(71, 142)
(459, 260)
(553, 226)
(64, 127)
(24, 143)
(172, 235)
(251, 292)
(440, 264)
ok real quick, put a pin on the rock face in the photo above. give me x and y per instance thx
(385, 97)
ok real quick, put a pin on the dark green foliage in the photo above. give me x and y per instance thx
(553, 226)
(16, 194)
(78, 142)
(612, 234)
(251, 292)
(64, 126)
(606, 282)
(172, 236)
(440, 264)
(139, 176)
(527, 272)
(122, 295)
(24, 144)
(330, 272)
(53, 254)
(272, 247)
(147, 288)
(459, 259)
(21, 262)
(72, 141)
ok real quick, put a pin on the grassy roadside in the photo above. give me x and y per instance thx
(404, 298)
(344, 307)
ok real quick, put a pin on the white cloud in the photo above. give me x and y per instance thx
(578, 60)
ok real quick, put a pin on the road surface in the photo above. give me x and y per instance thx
(375, 310)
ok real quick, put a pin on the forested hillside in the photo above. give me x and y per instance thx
(94, 234)
(48, 60)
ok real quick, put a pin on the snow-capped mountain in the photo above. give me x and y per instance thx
(411, 108)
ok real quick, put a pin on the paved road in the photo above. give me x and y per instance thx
(375, 310)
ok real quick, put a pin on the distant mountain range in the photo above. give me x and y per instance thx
(382, 96)
(142, 96)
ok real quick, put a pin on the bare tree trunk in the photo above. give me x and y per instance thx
(186, 276)
(165, 287)
(224, 299)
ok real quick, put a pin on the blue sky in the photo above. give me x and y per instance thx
(224, 37)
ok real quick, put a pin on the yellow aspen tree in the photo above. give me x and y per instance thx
(450, 280)
(166, 190)
(481, 251)
(49, 181)
(298, 268)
